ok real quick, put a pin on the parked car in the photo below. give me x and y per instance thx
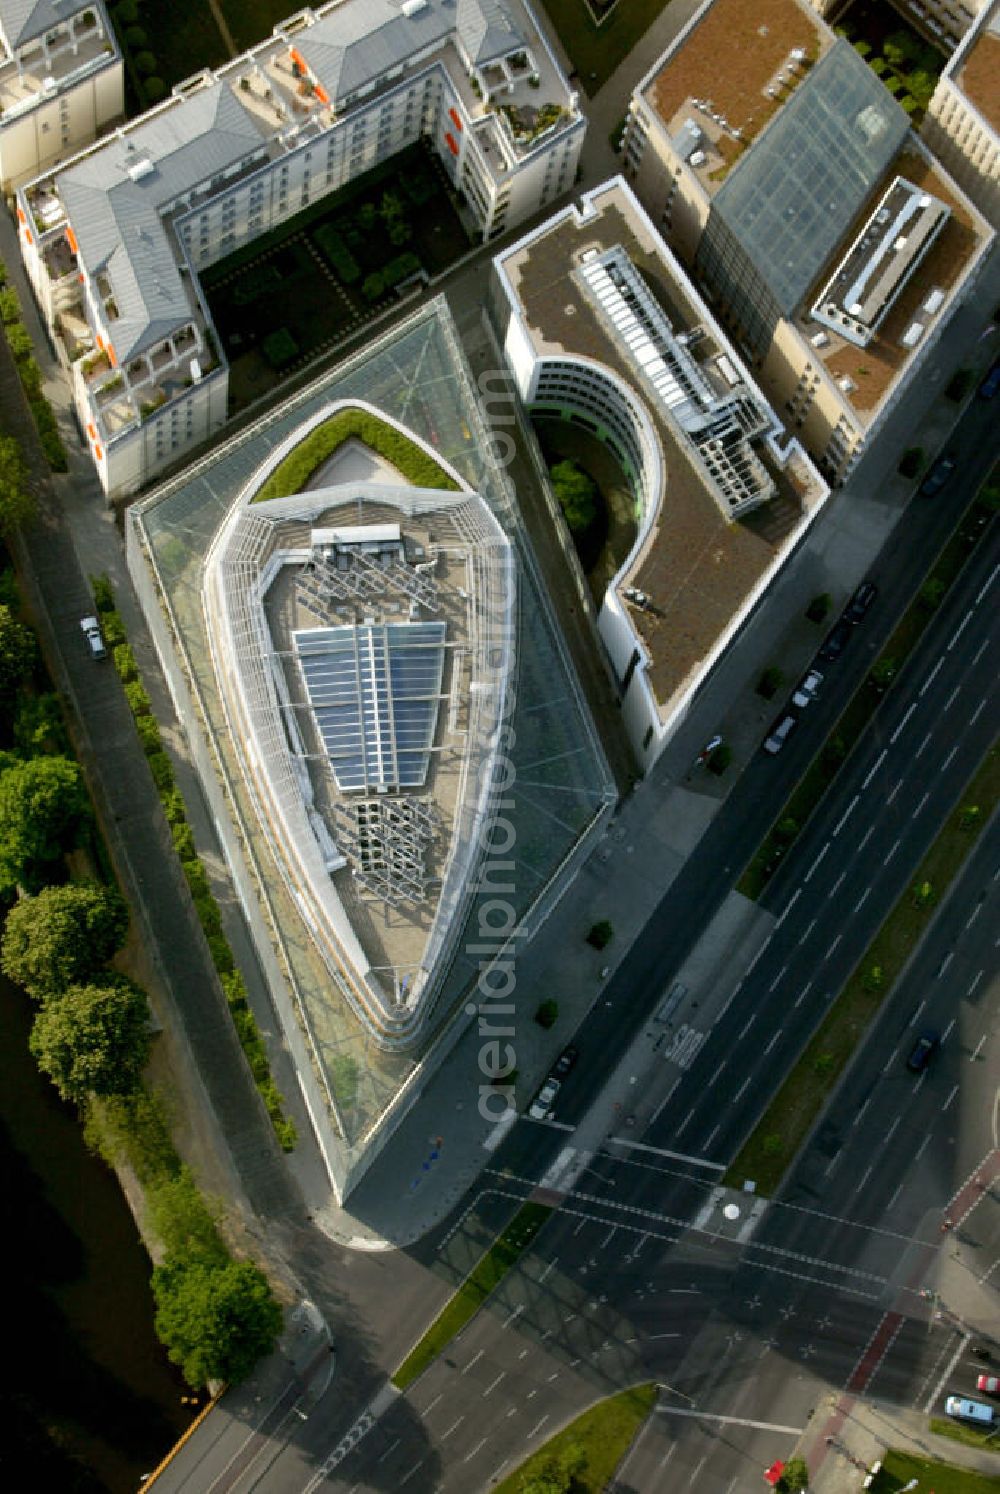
(963, 1409)
(836, 640)
(92, 632)
(938, 475)
(989, 1384)
(565, 1061)
(544, 1102)
(857, 608)
(779, 733)
(991, 383)
(808, 690)
(923, 1051)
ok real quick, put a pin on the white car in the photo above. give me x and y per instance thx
(808, 690)
(544, 1102)
(92, 632)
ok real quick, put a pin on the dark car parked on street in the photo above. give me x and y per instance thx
(938, 475)
(858, 607)
(836, 640)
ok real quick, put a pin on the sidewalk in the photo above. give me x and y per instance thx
(869, 1430)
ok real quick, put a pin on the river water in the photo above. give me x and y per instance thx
(88, 1399)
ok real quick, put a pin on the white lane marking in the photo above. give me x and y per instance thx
(978, 1050)
(946, 962)
(772, 1043)
(987, 583)
(711, 1137)
(732, 1421)
(892, 851)
(986, 643)
(548, 1268)
(866, 837)
(921, 805)
(469, 1456)
(816, 863)
(696, 1475)
(832, 1164)
(976, 979)
(948, 759)
(980, 708)
(948, 1369)
(515, 1314)
(895, 791)
(899, 728)
(739, 1093)
(846, 815)
(960, 630)
(947, 1032)
(891, 1060)
(807, 932)
(922, 1147)
(536, 1429)
(875, 767)
(952, 698)
(746, 1027)
(932, 676)
(428, 1409)
(684, 1123)
(718, 1071)
(803, 993)
(662, 1105)
(862, 899)
(407, 1476)
(892, 1128)
(857, 1118)
(950, 1098)
(924, 744)
(453, 1428)
(864, 1180)
(494, 1383)
(661, 1151)
(389, 1450)
(889, 1205)
(777, 979)
(789, 906)
(973, 915)
(837, 885)
(833, 946)
(474, 1360)
(919, 1009)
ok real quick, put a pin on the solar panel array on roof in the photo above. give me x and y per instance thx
(792, 196)
(374, 690)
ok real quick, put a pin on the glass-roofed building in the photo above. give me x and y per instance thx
(787, 178)
(339, 603)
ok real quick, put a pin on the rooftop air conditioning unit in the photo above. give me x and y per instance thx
(697, 158)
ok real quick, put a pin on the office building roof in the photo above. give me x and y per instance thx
(788, 198)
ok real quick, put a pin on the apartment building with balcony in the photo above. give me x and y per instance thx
(61, 83)
(962, 126)
(789, 181)
(114, 241)
(604, 330)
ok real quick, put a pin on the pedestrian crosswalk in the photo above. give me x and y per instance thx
(684, 1046)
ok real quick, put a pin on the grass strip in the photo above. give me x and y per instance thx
(594, 1443)
(292, 474)
(831, 757)
(596, 51)
(488, 1272)
(943, 1426)
(786, 1122)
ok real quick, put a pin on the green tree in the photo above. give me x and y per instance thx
(874, 979)
(794, 1477)
(18, 651)
(970, 817)
(819, 607)
(558, 1474)
(770, 681)
(787, 829)
(883, 673)
(184, 1221)
(601, 934)
(17, 502)
(62, 936)
(547, 1013)
(42, 807)
(39, 726)
(216, 1321)
(931, 594)
(93, 1039)
(923, 894)
(576, 493)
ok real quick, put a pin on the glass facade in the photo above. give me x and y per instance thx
(787, 204)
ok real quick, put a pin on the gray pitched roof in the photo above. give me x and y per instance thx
(23, 20)
(357, 44)
(117, 220)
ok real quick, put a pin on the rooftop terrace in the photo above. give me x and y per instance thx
(979, 77)
(696, 569)
(733, 71)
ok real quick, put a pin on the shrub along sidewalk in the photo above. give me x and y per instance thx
(30, 375)
(182, 836)
(785, 1124)
(789, 822)
(582, 1458)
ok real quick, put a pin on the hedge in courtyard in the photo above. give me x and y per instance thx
(292, 475)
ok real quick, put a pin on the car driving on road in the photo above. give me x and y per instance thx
(543, 1103)
(923, 1051)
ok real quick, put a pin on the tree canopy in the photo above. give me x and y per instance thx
(216, 1321)
(17, 651)
(17, 502)
(62, 937)
(93, 1039)
(42, 806)
(577, 495)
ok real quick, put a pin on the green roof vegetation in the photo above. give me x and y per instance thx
(293, 474)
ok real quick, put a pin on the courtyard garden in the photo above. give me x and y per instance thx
(320, 275)
(908, 65)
